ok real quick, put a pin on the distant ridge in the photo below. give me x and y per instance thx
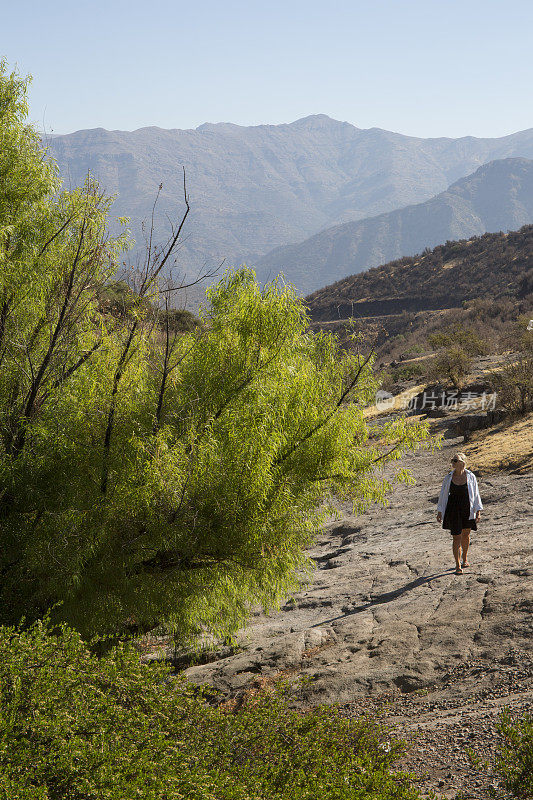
(495, 266)
(498, 196)
(256, 188)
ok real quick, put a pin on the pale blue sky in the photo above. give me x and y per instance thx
(423, 67)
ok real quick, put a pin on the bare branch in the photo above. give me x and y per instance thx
(388, 453)
(149, 279)
(149, 252)
(47, 244)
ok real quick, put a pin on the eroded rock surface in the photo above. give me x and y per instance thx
(385, 609)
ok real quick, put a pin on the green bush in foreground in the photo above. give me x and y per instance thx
(74, 727)
(515, 763)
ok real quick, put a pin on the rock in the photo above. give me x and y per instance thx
(468, 423)
(318, 637)
(478, 388)
(391, 617)
(437, 412)
(408, 683)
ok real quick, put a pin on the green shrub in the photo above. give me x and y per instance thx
(117, 299)
(456, 336)
(408, 371)
(451, 365)
(78, 727)
(515, 762)
(179, 319)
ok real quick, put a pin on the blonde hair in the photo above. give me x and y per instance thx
(460, 457)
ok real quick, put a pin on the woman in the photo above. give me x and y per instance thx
(461, 505)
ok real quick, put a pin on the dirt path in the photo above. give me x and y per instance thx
(387, 624)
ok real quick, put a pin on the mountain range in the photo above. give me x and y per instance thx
(254, 189)
(498, 196)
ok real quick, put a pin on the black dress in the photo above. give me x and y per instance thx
(457, 513)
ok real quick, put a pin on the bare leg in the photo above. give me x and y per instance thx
(465, 541)
(456, 548)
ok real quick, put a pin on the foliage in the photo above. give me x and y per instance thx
(179, 319)
(459, 336)
(514, 383)
(393, 376)
(451, 364)
(148, 474)
(118, 299)
(408, 371)
(525, 334)
(455, 345)
(74, 726)
(26, 177)
(210, 497)
(515, 762)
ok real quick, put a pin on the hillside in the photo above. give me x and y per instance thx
(498, 196)
(494, 265)
(256, 188)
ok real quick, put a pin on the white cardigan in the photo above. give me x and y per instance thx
(473, 493)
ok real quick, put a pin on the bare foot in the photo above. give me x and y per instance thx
(465, 564)
(458, 570)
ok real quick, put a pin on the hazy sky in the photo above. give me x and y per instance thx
(423, 67)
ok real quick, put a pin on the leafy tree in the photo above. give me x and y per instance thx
(452, 364)
(459, 336)
(54, 256)
(514, 383)
(149, 474)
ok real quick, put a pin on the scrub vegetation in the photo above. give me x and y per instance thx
(81, 727)
(516, 755)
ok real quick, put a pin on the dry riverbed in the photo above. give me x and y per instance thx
(386, 626)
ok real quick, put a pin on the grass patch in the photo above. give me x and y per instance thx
(400, 402)
(508, 447)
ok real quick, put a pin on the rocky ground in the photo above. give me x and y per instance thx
(450, 726)
(386, 626)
